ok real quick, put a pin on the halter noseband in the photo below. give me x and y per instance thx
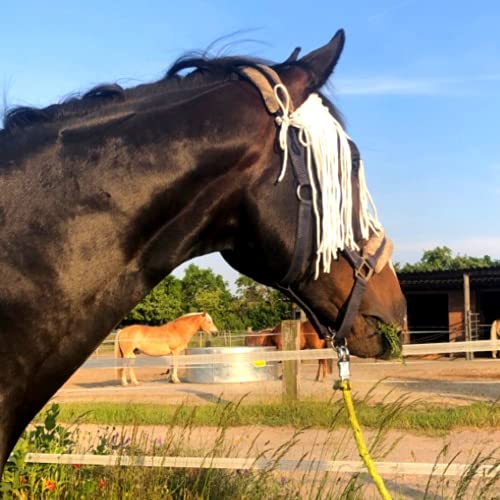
(364, 266)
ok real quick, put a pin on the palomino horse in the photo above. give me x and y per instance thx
(309, 339)
(495, 334)
(104, 195)
(170, 338)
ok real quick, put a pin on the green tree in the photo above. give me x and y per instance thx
(260, 306)
(254, 305)
(203, 290)
(442, 259)
(164, 303)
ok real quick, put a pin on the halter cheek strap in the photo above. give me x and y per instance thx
(304, 232)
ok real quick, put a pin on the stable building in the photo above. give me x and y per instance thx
(445, 306)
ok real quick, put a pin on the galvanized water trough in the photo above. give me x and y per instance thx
(239, 371)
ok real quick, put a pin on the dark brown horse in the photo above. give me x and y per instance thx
(104, 195)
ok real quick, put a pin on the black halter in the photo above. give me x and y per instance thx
(363, 268)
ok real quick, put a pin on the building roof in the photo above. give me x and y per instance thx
(484, 278)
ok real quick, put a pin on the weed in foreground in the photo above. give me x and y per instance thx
(262, 480)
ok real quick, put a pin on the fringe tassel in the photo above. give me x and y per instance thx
(329, 153)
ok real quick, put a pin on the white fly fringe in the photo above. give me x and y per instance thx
(328, 151)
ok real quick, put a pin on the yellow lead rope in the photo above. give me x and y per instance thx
(360, 442)
(345, 384)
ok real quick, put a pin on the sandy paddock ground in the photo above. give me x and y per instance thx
(442, 381)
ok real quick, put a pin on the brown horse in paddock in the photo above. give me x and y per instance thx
(107, 193)
(260, 338)
(495, 334)
(309, 339)
(170, 338)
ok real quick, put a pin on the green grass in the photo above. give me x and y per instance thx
(421, 417)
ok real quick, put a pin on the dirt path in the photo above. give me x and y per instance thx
(312, 444)
(460, 447)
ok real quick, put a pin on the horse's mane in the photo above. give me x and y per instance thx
(206, 70)
(25, 116)
(190, 314)
(187, 315)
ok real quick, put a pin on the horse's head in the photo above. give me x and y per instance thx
(257, 339)
(382, 302)
(281, 244)
(207, 324)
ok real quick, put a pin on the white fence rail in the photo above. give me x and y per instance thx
(451, 347)
(269, 356)
(339, 466)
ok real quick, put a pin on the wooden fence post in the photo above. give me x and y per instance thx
(467, 314)
(290, 335)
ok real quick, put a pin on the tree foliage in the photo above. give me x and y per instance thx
(261, 306)
(253, 305)
(164, 303)
(203, 290)
(442, 259)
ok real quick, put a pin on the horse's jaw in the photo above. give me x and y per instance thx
(366, 340)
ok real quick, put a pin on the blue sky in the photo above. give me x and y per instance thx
(418, 84)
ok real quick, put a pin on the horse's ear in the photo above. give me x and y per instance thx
(321, 62)
(293, 56)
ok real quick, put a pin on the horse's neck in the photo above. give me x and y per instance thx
(119, 207)
(187, 327)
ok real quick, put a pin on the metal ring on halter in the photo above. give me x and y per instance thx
(299, 192)
(330, 337)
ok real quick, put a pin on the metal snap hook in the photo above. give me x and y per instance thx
(343, 362)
